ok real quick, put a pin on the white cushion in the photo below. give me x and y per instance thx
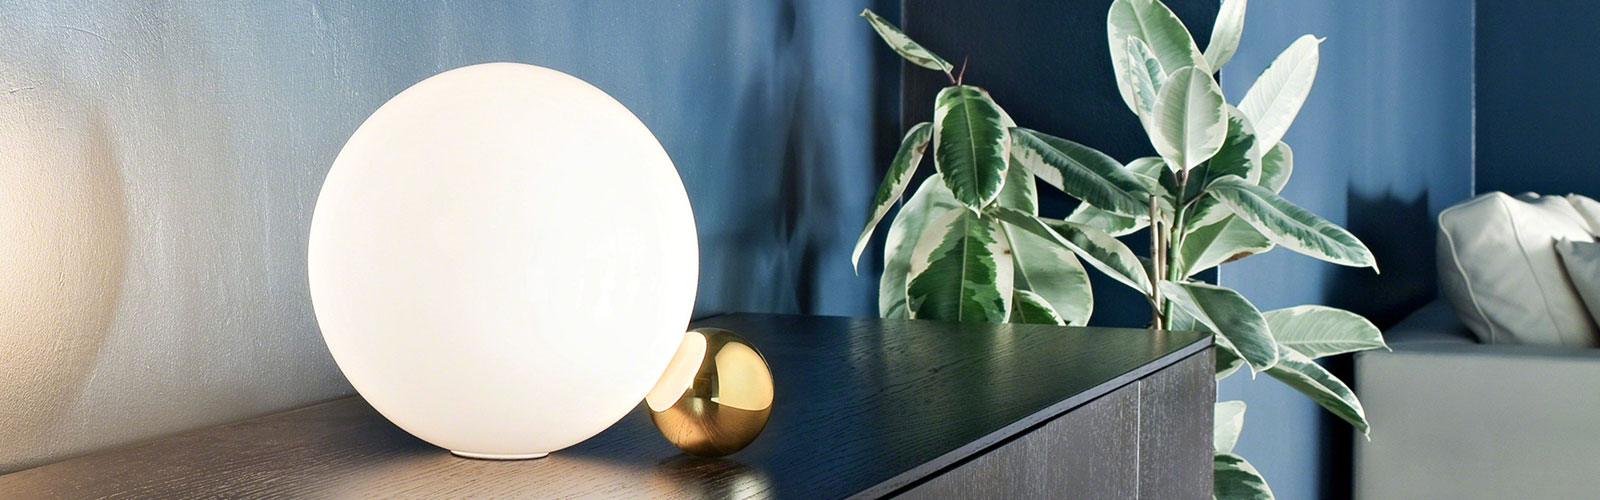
(1581, 259)
(1499, 268)
(1588, 209)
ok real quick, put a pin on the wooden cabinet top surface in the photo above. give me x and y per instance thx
(863, 408)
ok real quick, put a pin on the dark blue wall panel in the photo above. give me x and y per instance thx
(1538, 65)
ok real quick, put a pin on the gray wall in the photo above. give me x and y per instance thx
(1383, 144)
(159, 162)
(1538, 64)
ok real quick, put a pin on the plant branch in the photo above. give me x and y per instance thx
(1172, 241)
(1157, 255)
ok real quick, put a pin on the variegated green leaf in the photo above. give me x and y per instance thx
(1205, 212)
(1233, 478)
(1232, 159)
(1318, 331)
(1146, 76)
(1100, 250)
(1028, 307)
(1228, 421)
(971, 144)
(1226, 313)
(1225, 33)
(961, 270)
(930, 201)
(1149, 167)
(1276, 166)
(1103, 252)
(1228, 359)
(1225, 240)
(1190, 121)
(1145, 170)
(1112, 224)
(1304, 375)
(1161, 30)
(1051, 271)
(903, 44)
(1290, 226)
(894, 183)
(1178, 321)
(1080, 171)
(1275, 98)
(1020, 191)
(1235, 158)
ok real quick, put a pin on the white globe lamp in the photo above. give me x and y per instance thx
(503, 260)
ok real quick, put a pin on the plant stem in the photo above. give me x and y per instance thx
(1173, 239)
(1175, 243)
(1157, 255)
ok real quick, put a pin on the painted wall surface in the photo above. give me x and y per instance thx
(1536, 97)
(1383, 143)
(159, 162)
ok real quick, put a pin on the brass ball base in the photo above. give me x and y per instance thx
(715, 396)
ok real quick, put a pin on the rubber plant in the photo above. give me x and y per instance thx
(950, 253)
(1210, 196)
(1220, 168)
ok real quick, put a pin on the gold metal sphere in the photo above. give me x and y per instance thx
(715, 396)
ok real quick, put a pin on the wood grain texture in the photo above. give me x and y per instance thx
(1176, 406)
(863, 408)
(1090, 453)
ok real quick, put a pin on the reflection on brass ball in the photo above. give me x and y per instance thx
(715, 396)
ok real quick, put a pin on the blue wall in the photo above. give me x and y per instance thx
(1537, 68)
(769, 109)
(159, 161)
(1382, 145)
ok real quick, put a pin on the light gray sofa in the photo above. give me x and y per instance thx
(1456, 419)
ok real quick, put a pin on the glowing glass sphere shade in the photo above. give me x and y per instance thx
(503, 260)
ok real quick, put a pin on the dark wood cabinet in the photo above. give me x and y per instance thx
(1147, 439)
(865, 408)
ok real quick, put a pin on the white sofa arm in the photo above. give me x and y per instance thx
(1452, 419)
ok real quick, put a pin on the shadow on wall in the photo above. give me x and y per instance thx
(63, 242)
(785, 244)
(1400, 233)
(764, 125)
(152, 277)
